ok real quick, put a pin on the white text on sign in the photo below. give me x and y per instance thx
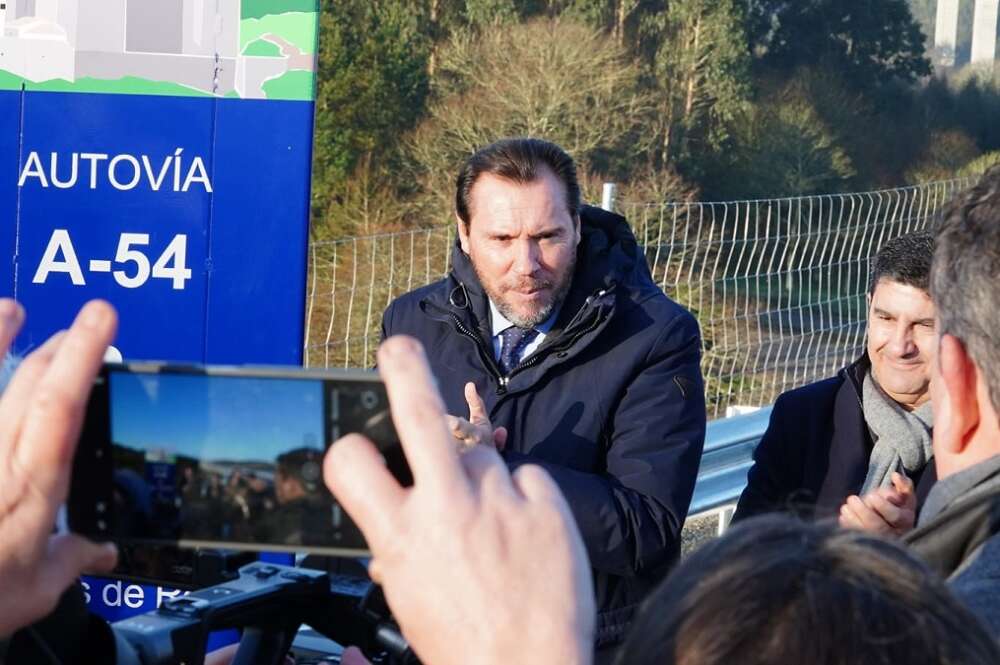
(60, 257)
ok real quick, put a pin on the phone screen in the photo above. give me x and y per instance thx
(236, 461)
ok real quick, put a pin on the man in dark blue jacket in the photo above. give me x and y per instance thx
(583, 365)
(858, 445)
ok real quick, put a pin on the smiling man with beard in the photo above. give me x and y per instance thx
(550, 333)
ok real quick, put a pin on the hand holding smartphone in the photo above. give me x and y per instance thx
(223, 457)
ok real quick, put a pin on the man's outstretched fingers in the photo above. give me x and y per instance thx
(53, 419)
(17, 394)
(418, 413)
(477, 408)
(487, 473)
(535, 484)
(11, 318)
(356, 473)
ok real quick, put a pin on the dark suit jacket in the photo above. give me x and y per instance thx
(815, 451)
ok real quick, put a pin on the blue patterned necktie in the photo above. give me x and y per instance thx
(513, 341)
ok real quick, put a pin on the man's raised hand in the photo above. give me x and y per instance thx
(477, 565)
(477, 430)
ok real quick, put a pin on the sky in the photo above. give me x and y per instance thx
(233, 418)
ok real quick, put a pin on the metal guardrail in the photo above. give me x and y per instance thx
(729, 446)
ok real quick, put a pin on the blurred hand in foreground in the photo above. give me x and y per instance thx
(476, 564)
(41, 412)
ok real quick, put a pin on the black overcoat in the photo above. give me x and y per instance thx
(816, 450)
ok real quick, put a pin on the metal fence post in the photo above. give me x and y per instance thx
(608, 195)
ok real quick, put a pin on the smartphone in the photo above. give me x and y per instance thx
(223, 457)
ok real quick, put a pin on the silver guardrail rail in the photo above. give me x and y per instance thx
(729, 446)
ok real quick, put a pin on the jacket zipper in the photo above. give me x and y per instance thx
(490, 362)
(534, 360)
(487, 358)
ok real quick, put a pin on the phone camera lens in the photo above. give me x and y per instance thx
(369, 399)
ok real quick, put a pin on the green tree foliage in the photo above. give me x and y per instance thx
(373, 83)
(946, 154)
(871, 41)
(699, 68)
(671, 99)
(553, 78)
(783, 147)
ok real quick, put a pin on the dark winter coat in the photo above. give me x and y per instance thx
(962, 543)
(611, 404)
(816, 450)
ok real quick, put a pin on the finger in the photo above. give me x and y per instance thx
(418, 414)
(16, 396)
(500, 438)
(477, 408)
(11, 318)
(848, 519)
(902, 484)
(536, 485)
(375, 571)
(353, 656)
(488, 473)
(870, 520)
(70, 555)
(52, 423)
(356, 473)
(890, 513)
(463, 430)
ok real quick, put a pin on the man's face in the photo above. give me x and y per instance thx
(902, 341)
(522, 243)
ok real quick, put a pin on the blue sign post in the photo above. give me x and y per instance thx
(157, 155)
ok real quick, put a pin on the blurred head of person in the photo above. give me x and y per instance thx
(299, 473)
(965, 280)
(901, 338)
(776, 591)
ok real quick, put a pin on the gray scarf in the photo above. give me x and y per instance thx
(902, 438)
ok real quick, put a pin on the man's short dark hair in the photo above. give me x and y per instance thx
(966, 275)
(303, 464)
(517, 160)
(906, 260)
(777, 590)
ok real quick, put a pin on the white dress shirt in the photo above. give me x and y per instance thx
(500, 323)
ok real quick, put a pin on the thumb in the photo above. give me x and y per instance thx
(477, 408)
(500, 438)
(70, 555)
(902, 484)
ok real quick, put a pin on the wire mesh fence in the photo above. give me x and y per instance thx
(777, 285)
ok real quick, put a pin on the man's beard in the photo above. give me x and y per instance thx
(558, 295)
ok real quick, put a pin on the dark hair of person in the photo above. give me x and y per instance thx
(303, 464)
(906, 259)
(517, 160)
(776, 590)
(966, 275)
